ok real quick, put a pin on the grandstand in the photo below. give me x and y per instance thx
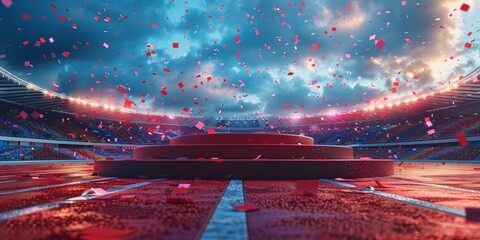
(239, 120)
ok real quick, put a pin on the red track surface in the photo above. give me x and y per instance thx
(335, 212)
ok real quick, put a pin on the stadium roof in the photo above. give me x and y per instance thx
(15, 90)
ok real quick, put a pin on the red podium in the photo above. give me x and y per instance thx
(244, 156)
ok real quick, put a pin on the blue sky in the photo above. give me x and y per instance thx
(240, 58)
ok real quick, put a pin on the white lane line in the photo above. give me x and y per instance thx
(225, 222)
(47, 206)
(431, 184)
(52, 186)
(8, 181)
(23, 162)
(6, 176)
(412, 201)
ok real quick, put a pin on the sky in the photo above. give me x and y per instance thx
(226, 58)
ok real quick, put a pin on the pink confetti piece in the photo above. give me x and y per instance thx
(314, 46)
(94, 191)
(295, 41)
(7, 3)
(431, 131)
(105, 45)
(2, 56)
(199, 125)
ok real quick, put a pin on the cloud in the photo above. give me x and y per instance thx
(246, 47)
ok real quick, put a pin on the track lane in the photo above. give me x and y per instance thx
(338, 214)
(143, 210)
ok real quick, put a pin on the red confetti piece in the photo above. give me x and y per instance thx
(52, 5)
(166, 70)
(394, 90)
(26, 17)
(23, 114)
(462, 139)
(468, 45)
(180, 85)
(465, 7)
(379, 184)
(237, 39)
(66, 53)
(380, 43)
(290, 73)
(128, 103)
(211, 131)
(180, 191)
(246, 207)
(306, 188)
(121, 88)
(175, 45)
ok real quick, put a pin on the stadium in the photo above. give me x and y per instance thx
(239, 120)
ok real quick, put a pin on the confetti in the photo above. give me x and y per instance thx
(380, 43)
(179, 191)
(199, 125)
(246, 207)
(7, 3)
(306, 188)
(379, 184)
(462, 139)
(465, 7)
